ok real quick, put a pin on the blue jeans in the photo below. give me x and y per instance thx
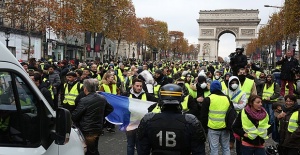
(131, 141)
(246, 150)
(216, 137)
(269, 108)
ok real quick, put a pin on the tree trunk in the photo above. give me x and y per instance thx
(117, 53)
(29, 45)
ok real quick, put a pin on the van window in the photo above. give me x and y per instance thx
(19, 123)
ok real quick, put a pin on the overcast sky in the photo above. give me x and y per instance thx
(181, 15)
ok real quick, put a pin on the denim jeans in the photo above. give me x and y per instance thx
(246, 150)
(131, 141)
(92, 143)
(216, 137)
(269, 109)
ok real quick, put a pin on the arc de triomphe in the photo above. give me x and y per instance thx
(214, 23)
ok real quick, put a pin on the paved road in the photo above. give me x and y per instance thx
(115, 144)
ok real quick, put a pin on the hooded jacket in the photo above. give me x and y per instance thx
(231, 93)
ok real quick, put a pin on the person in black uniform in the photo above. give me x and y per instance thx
(170, 132)
(237, 60)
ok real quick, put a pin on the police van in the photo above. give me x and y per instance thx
(28, 124)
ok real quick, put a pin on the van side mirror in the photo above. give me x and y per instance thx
(63, 126)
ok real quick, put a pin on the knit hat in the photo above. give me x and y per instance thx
(215, 86)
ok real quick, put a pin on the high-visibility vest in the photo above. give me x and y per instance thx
(193, 93)
(293, 122)
(120, 75)
(174, 70)
(71, 96)
(42, 66)
(50, 89)
(287, 88)
(107, 89)
(144, 97)
(99, 77)
(188, 87)
(217, 111)
(247, 87)
(156, 89)
(184, 104)
(251, 130)
(257, 73)
(268, 92)
(237, 98)
(156, 109)
(226, 71)
(224, 88)
(4, 122)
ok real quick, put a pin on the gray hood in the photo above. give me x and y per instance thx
(230, 92)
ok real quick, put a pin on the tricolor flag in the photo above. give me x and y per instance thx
(127, 111)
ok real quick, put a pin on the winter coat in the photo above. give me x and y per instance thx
(286, 68)
(287, 139)
(89, 113)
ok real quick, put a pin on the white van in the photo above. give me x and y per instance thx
(28, 124)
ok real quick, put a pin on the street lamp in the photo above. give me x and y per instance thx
(7, 35)
(271, 6)
(109, 51)
(133, 54)
(76, 50)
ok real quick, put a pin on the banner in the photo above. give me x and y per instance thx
(98, 42)
(278, 49)
(88, 36)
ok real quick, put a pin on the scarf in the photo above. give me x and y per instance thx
(257, 115)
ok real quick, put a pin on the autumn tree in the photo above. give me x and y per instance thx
(27, 15)
(292, 17)
(176, 38)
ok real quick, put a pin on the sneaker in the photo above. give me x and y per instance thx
(110, 130)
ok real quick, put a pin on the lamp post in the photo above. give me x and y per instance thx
(133, 54)
(7, 35)
(271, 6)
(76, 49)
(109, 51)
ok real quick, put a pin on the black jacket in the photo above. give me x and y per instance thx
(238, 61)
(286, 68)
(47, 94)
(89, 113)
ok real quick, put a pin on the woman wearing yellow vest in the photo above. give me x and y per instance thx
(289, 130)
(109, 86)
(252, 127)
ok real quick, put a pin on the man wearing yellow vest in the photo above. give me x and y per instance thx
(270, 93)
(70, 91)
(239, 100)
(247, 85)
(213, 114)
(136, 92)
(289, 127)
(225, 82)
(95, 73)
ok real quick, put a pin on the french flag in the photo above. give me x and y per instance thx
(127, 111)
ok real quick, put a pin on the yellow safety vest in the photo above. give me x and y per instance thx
(107, 89)
(71, 96)
(156, 88)
(4, 123)
(247, 87)
(50, 89)
(268, 92)
(42, 66)
(293, 122)
(251, 130)
(287, 88)
(237, 99)
(224, 88)
(193, 93)
(156, 109)
(217, 111)
(144, 97)
(184, 104)
(257, 73)
(120, 75)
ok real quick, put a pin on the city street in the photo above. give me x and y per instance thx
(115, 144)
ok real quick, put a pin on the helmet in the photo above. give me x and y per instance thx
(271, 150)
(170, 94)
(239, 48)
